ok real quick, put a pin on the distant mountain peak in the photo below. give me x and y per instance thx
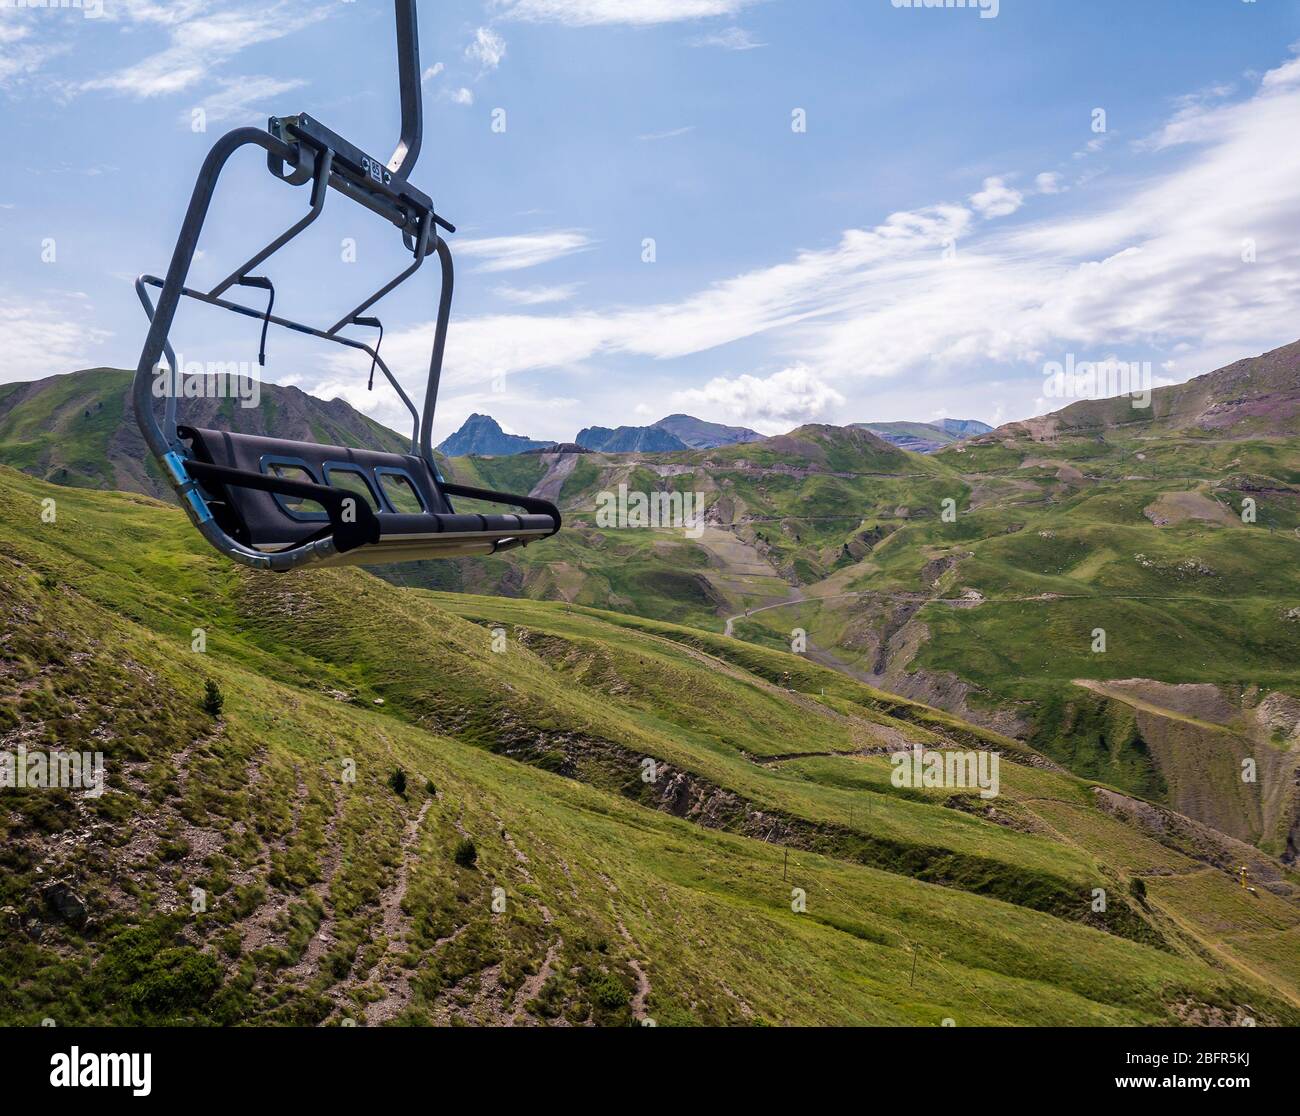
(699, 434)
(629, 439)
(482, 436)
(672, 433)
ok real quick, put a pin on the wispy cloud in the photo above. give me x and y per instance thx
(45, 336)
(814, 285)
(243, 99)
(537, 296)
(23, 54)
(461, 96)
(200, 41)
(164, 12)
(487, 49)
(586, 13)
(515, 253)
(432, 72)
(673, 134)
(733, 38)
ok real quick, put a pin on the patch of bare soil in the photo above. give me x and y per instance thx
(533, 985)
(1193, 1013)
(559, 466)
(1171, 508)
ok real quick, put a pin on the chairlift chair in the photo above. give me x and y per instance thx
(252, 497)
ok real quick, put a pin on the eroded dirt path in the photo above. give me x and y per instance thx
(642, 992)
(395, 981)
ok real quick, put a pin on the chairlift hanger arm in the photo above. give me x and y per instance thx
(412, 95)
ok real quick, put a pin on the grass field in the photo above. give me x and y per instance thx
(328, 889)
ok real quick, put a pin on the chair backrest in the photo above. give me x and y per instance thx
(390, 482)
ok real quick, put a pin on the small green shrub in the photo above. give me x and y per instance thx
(466, 854)
(397, 780)
(213, 699)
(143, 972)
(608, 992)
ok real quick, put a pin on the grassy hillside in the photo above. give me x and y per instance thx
(991, 610)
(973, 579)
(333, 892)
(79, 429)
(790, 510)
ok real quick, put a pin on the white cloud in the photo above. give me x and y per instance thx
(1049, 182)
(163, 12)
(22, 54)
(1144, 269)
(673, 134)
(1160, 264)
(813, 286)
(243, 99)
(586, 13)
(432, 72)
(514, 253)
(538, 296)
(996, 199)
(461, 96)
(733, 38)
(1195, 112)
(200, 40)
(1092, 147)
(42, 338)
(487, 49)
(772, 405)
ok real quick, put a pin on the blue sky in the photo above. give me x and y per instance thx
(951, 220)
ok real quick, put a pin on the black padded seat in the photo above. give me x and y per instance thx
(261, 520)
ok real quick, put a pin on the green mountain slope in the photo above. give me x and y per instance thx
(1173, 535)
(1089, 520)
(264, 865)
(1084, 521)
(1253, 397)
(781, 512)
(80, 429)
